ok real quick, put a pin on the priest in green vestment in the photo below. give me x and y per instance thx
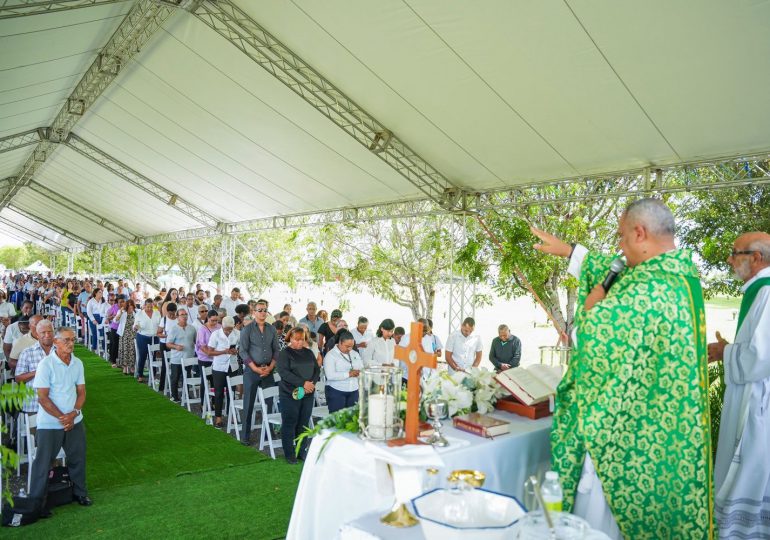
(633, 403)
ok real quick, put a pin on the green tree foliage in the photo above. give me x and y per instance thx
(591, 222)
(268, 257)
(711, 220)
(196, 259)
(18, 257)
(401, 260)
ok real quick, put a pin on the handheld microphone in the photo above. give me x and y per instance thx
(616, 268)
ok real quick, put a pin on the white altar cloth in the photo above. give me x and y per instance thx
(350, 478)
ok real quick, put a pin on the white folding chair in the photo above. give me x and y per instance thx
(207, 408)
(190, 383)
(268, 418)
(101, 340)
(152, 363)
(234, 405)
(320, 410)
(167, 362)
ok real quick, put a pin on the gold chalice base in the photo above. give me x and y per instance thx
(474, 479)
(399, 517)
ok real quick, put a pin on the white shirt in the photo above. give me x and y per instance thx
(94, 307)
(463, 348)
(367, 337)
(220, 342)
(148, 326)
(12, 333)
(382, 351)
(337, 368)
(229, 304)
(7, 309)
(166, 325)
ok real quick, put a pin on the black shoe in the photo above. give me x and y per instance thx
(83, 500)
(291, 461)
(45, 513)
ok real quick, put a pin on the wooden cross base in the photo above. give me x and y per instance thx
(415, 358)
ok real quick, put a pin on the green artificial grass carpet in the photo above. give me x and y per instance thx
(155, 470)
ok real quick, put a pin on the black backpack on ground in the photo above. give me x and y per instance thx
(25, 510)
(59, 487)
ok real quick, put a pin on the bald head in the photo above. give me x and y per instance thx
(653, 215)
(756, 241)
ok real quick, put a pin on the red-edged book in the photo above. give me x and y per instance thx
(481, 425)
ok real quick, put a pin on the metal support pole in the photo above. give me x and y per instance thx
(70, 263)
(461, 292)
(227, 262)
(52, 263)
(97, 262)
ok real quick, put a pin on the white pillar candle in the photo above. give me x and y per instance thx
(381, 411)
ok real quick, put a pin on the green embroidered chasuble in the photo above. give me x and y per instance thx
(635, 396)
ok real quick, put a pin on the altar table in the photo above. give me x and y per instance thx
(350, 477)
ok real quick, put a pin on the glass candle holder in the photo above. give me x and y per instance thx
(555, 356)
(379, 395)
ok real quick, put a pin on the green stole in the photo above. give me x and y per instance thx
(748, 299)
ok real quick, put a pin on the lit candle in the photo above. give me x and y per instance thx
(381, 409)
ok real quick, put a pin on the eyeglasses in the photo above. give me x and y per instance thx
(735, 253)
(261, 310)
(68, 339)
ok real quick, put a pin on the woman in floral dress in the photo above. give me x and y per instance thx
(127, 345)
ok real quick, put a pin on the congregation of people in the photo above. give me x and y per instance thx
(631, 435)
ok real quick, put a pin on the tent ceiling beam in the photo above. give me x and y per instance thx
(139, 180)
(20, 140)
(83, 211)
(138, 26)
(695, 176)
(21, 8)
(32, 234)
(51, 226)
(237, 27)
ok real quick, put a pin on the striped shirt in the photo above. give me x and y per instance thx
(28, 361)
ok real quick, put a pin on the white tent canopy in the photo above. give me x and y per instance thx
(491, 94)
(37, 267)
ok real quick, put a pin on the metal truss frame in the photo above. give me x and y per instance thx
(70, 263)
(227, 260)
(461, 292)
(97, 259)
(138, 26)
(55, 228)
(138, 180)
(237, 27)
(20, 140)
(21, 8)
(36, 237)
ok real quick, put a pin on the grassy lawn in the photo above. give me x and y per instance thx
(724, 302)
(157, 471)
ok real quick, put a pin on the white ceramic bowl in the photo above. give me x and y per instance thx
(444, 515)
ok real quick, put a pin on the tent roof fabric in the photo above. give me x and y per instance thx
(491, 94)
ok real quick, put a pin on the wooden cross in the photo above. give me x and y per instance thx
(415, 358)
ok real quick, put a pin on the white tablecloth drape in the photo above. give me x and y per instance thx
(350, 477)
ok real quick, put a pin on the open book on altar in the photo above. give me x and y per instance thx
(531, 385)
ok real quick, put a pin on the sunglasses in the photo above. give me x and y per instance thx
(261, 310)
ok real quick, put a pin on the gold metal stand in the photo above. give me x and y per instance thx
(400, 517)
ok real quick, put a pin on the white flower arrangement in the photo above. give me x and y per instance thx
(470, 391)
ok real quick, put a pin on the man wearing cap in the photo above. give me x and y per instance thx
(259, 349)
(29, 359)
(13, 332)
(26, 340)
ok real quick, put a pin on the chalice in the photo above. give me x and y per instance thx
(437, 410)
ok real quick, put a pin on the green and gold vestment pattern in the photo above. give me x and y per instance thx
(635, 397)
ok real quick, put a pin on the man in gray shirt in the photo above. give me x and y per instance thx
(180, 341)
(259, 350)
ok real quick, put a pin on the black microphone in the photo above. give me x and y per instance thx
(616, 268)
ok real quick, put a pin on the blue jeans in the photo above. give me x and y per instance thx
(92, 329)
(337, 399)
(142, 342)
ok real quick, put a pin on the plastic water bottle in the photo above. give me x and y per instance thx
(552, 492)
(22, 493)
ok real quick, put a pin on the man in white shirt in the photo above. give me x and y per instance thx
(180, 340)
(13, 332)
(363, 338)
(742, 469)
(27, 339)
(230, 303)
(463, 348)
